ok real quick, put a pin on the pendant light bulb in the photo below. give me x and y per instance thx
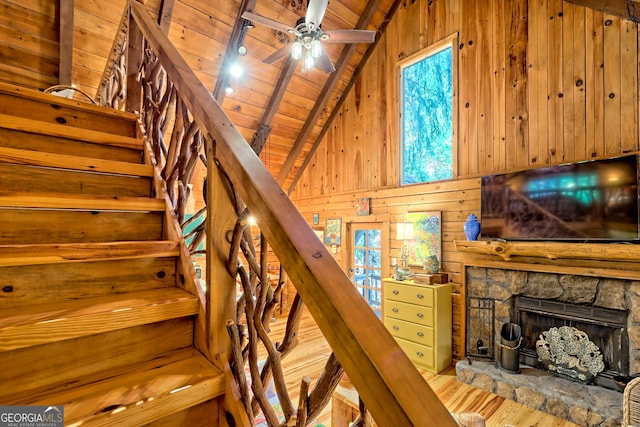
(296, 50)
(308, 61)
(316, 48)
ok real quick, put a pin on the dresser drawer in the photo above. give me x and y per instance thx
(410, 331)
(420, 354)
(409, 293)
(409, 312)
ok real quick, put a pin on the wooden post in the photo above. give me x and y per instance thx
(134, 59)
(221, 286)
(66, 42)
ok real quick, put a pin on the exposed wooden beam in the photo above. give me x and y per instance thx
(231, 54)
(166, 14)
(344, 95)
(627, 9)
(66, 42)
(327, 91)
(264, 129)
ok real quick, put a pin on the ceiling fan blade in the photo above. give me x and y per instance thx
(278, 54)
(324, 63)
(268, 22)
(315, 13)
(350, 36)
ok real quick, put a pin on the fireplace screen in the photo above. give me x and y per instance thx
(604, 327)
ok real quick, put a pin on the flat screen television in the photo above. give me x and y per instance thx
(587, 201)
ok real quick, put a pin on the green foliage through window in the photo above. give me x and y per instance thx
(427, 119)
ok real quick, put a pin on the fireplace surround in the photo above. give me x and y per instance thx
(595, 303)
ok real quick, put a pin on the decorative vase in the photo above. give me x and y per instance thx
(472, 227)
(431, 264)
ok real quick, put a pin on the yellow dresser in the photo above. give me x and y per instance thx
(419, 318)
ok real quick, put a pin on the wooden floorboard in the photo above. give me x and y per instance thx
(309, 356)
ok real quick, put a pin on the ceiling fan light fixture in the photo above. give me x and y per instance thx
(309, 61)
(316, 48)
(296, 50)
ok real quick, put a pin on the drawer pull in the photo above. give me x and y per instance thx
(396, 292)
(396, 328)
(420, 296)
(420, 354)
(420, 315)
(395, 310)
(420, 334)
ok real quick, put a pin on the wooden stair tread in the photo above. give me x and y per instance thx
(63, 161)
(18, 199)
(36, 95)
(62, 131)
(136, 395)
(33, 254)
(43, 323)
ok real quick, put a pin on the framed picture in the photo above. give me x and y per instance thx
(427, 231)
(320, 234)
(333, 231)
(363, 206)
(316, 219)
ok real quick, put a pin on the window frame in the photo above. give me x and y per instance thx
(448, 42)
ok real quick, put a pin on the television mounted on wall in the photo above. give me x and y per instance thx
(593, 200)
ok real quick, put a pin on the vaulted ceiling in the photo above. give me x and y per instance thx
(280, 109)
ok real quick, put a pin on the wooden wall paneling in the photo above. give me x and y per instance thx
(594, 84)
(473, 75)
(554, 80)
(537, 48)
(511, 79)
(629, 86)
(577, 84)
(465, 74)
(498, 68)
(612, 88)
(520, 14)
(391, 149)
(484, 93)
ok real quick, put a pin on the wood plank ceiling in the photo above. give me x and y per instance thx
(282, 111)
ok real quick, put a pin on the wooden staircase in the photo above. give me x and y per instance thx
(93, 313)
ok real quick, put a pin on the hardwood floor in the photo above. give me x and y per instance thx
(309, 357)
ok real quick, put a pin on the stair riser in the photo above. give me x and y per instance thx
(52, 283)
(58, 365)
(29, 141)
(27, 331)
(59, 113)
(57, 226)
(18, 178)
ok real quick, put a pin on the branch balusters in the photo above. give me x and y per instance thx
(177, 144)
(112, 89)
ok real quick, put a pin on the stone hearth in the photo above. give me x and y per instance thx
(585, 405)
(535, 387)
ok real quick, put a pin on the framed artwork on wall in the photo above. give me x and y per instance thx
(320, 234)
(316, 219)
(333, 231)
(363, 206)
(427, 231)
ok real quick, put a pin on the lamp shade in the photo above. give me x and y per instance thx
(404, 231)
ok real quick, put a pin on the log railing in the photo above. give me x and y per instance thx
(184, 125)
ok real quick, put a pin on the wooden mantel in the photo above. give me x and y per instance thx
(551, 250)
(616, 260)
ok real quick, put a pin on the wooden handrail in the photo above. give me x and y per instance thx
(389, 384)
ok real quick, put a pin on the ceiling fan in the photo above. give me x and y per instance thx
(309, 37)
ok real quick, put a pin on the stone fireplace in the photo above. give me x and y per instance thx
(607, 309)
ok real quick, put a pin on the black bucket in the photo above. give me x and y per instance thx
(510, 340)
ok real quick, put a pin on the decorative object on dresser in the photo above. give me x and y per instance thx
(419, 318)
(404, 232)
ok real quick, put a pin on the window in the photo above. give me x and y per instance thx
(427, 115)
